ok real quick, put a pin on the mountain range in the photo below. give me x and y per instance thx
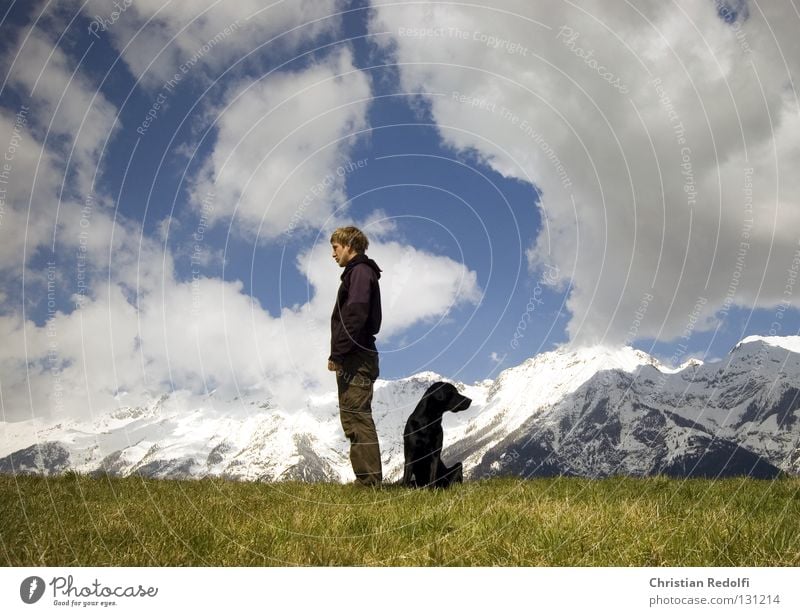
(589, 412)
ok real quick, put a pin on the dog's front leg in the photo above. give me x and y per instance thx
(433, 471)
(406, 475)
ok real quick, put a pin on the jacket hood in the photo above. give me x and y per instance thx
(361, 259)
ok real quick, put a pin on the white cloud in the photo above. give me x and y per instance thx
(378, 224)
(26, 159)
(42, 215)
(416, 286)
(141, 330)
(280, 159)
(52, 143)
(639, 123)
(157, 38)
(145, 332)
(64, 104)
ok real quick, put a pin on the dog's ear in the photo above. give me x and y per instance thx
(439, 391)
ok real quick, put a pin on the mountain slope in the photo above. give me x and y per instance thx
(589, 412)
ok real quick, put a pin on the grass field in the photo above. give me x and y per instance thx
(75, 520)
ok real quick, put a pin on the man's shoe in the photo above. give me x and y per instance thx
(366, 484)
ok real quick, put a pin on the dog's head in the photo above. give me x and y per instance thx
(446, 397)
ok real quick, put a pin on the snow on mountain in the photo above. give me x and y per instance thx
(591, 411)
(531, 388)
(739, 416)
(240, 439)
(790, 343)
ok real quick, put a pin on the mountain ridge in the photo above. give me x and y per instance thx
(589, 411)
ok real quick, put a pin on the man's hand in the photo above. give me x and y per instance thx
(332, 365)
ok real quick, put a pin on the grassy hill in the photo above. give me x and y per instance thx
(77, 520)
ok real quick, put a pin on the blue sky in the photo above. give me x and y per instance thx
(490, 257)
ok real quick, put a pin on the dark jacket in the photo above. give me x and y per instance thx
(356, 316)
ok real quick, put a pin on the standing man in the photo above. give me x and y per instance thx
(355, 320)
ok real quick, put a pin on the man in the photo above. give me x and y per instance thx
(355, 320)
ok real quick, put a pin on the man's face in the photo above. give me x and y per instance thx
(342, 254)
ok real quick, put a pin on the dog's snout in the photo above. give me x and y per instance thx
(463, 403)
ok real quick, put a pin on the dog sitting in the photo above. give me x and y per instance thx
(423, 438)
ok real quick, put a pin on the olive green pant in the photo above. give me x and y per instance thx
(355, 380)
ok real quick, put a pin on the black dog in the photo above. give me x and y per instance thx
(423, 437)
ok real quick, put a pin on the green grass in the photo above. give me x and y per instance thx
(76, 520)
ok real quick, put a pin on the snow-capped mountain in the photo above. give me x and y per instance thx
(589, 412)
(734, 417)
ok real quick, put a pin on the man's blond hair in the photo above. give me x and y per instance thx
(351, 236)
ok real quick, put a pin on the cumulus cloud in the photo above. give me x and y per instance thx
(144, 332)
(21, 205)
(110, 320)
(157, 38)
(416, 285)
(662, 137)
(69, 111)
(280, 160)
(52, 140)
